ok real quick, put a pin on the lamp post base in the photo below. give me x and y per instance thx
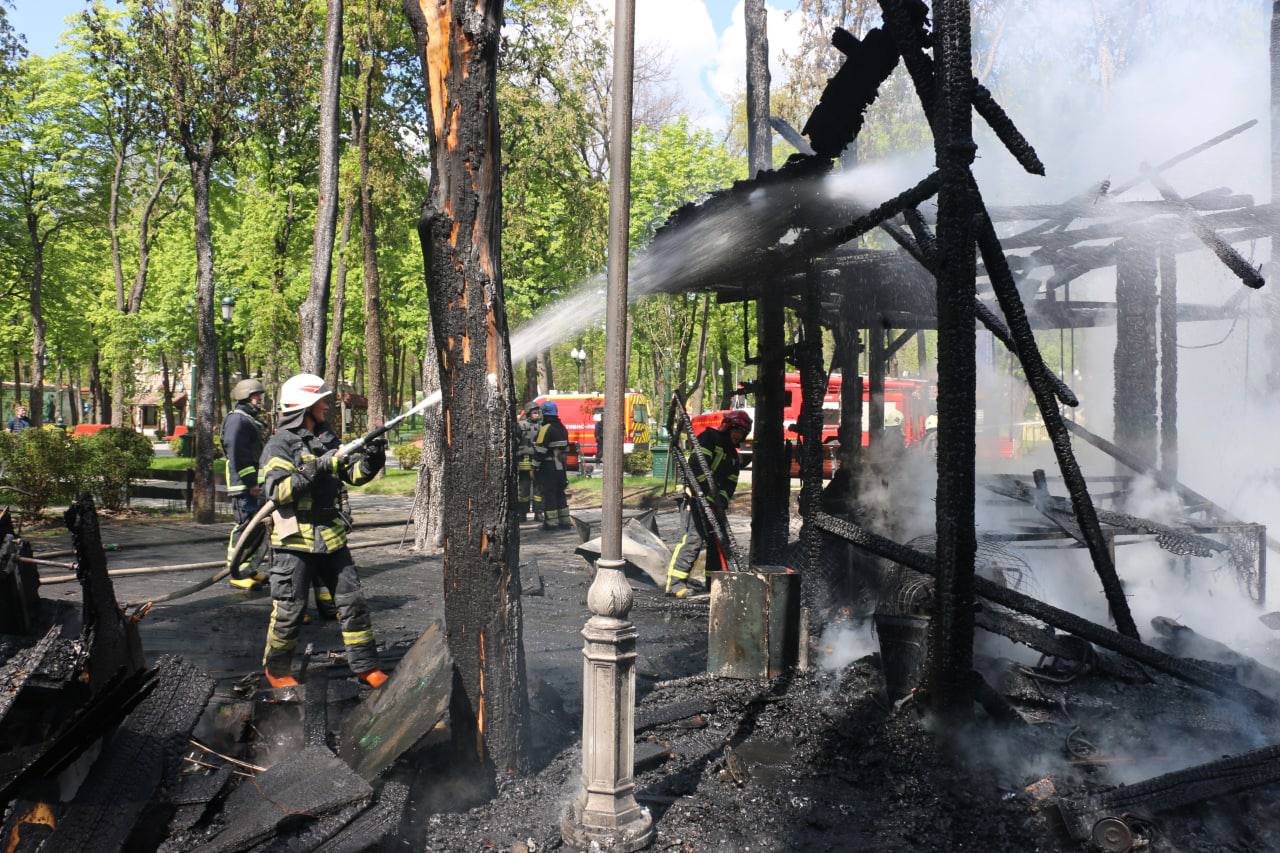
(635, 832)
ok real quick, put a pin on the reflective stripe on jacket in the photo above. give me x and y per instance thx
(315, 504)
(552, 443)
(242, 439)
(724, 463)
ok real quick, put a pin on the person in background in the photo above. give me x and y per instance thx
(243, 435)
(549, 449)
(527, 431)
(719, 449)
(19, 421)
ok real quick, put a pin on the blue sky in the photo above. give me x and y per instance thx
(702, 38)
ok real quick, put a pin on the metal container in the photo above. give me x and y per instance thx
(659, 452)
(754, 625)
(904, 644)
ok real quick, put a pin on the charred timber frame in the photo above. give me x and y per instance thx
(813, 390)
(1135, 402)
(770, 468)
(950, 660)
(1184, 670)
(460, 231)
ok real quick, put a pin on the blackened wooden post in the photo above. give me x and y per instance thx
(1169, 363)
(770, 467)
(950, 663)
(1135, 401)
(460, 230)
(849, 348)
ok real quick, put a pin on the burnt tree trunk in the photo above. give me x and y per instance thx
(428, 495)
(950, 662)
(1135, 402)
(317, 303)
(373, 350)
(770, 467)
(460, 229)
(202, 504)
(333, 356)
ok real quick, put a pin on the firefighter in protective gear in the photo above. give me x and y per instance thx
(243, 435)
(304, 476)
(719, 449)
(525, 436)
(549, 449)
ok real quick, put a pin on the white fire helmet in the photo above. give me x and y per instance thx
(303, 391)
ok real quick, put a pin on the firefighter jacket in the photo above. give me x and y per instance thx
(723, 461)
(310, 511)
(243, 435)
(525, 437)
(551, 443)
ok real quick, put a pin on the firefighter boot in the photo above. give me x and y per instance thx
(279, 681)
(375, 678)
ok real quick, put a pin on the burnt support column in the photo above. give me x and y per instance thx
(1169, 363)
(1135, 401)
(817, 585)
(844, 485)
(770, 467)
(950, 666)
(875, 374)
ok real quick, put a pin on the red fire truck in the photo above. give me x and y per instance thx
(578, 413)
(908, 403)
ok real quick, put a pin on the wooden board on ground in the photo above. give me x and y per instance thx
(400, 713)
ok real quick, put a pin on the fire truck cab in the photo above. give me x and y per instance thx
(578, 414)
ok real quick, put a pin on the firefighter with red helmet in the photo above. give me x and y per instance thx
(719, 449)
(302, 473)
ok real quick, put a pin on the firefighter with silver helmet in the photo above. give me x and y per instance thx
(719, 449)
(549, 450)
(302, 473)
(525, 464)
(243, 434)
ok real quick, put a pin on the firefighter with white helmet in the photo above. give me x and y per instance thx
(307, 480)
(243, 434)
(719, 448)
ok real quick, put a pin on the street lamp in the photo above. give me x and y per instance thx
(228, 306)
(580, 358)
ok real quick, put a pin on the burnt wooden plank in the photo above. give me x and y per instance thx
(134, 762)
(375, 824)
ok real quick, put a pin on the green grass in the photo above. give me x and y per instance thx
(171, 463)
(396, 482)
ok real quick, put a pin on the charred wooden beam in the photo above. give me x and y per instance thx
(791, 135)
(875, 373)
(1220, 778)
(897, 343)
(1229, 256)
(1187, 671)
(1169, 363)
(813, 390)
(837, 119)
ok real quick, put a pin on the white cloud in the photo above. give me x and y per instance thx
(707, 69)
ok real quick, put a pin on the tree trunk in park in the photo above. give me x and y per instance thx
(101, 406)
(117, 269)
(17, 377)
(334, 355)
(547, 373)
(166, 390)
(317, 303)
(428, 497)
(460, 229)
(374, 357)
(74, 410)
(202, 505)
(530, 381)
(35, 409)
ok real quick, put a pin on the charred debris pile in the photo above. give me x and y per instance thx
(99, 751)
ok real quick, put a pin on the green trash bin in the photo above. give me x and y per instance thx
(660, 452)
(184, 446)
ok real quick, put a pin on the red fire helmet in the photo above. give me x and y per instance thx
(736, 419)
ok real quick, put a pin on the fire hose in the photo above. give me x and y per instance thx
(251, 536)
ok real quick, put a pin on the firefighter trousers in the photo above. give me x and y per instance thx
(524, 489)
(245, 507)
(692, 541)
(293, 573)
(550, 496)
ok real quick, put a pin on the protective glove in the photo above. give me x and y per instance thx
(324, 464)
(375, 455)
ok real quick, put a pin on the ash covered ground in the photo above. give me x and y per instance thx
(819, 760)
